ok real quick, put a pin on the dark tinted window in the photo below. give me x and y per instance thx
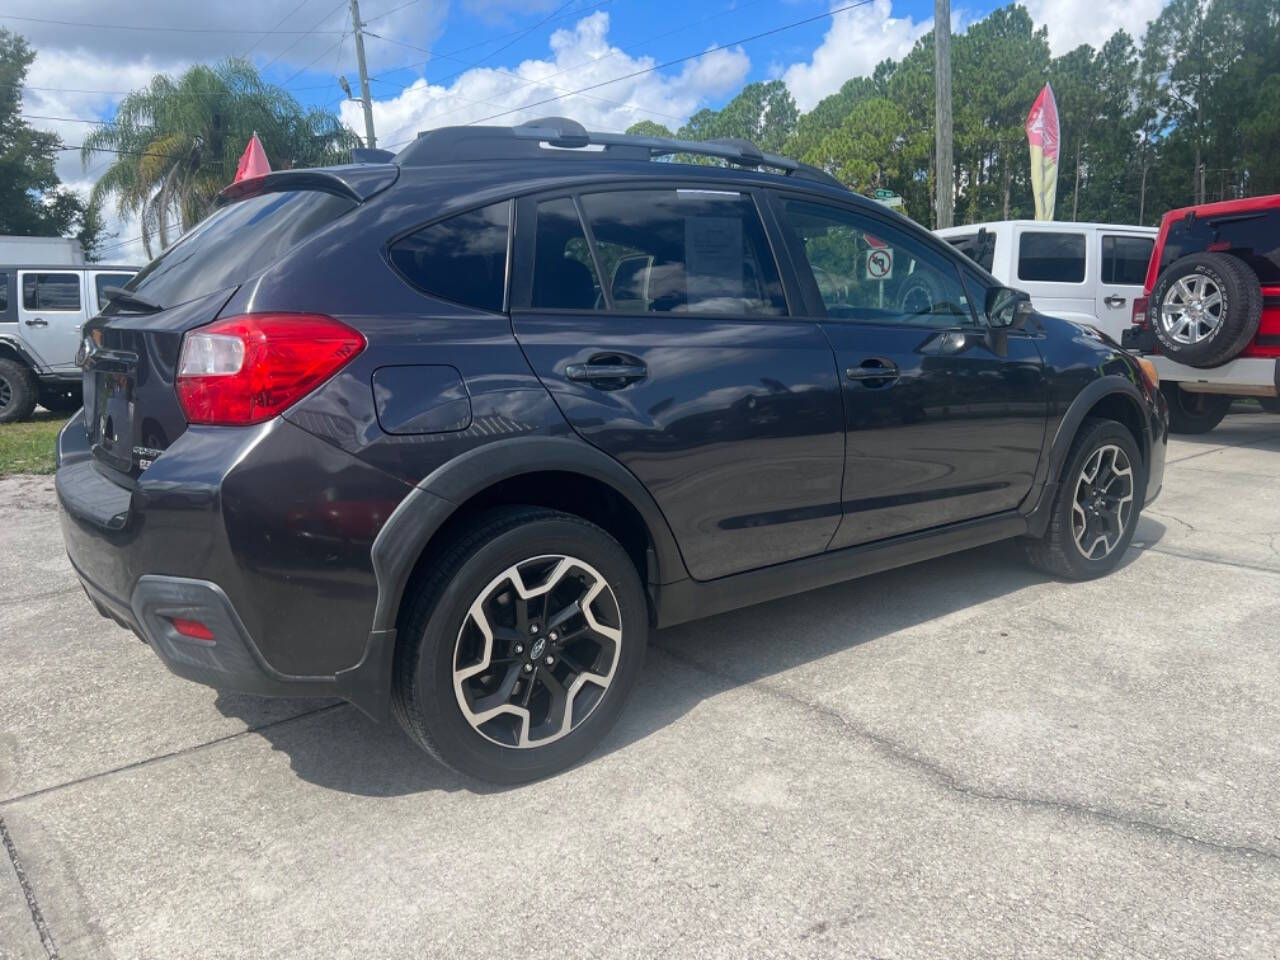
(870, 272)
(463, 259)
(1253, 237)
(1125, 259)
(563, 275)
(235, 243)
(51, 291)
(687, 251)
(1051, 257)
(104, 280)
(980, 248)
(4, 295)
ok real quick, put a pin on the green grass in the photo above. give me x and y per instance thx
(28, 447)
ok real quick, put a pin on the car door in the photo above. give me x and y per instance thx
(944, 417)
(50, 315)
(1123, 258)
(686, 364)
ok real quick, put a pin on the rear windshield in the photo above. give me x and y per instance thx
(1253, 237)
(236, 242)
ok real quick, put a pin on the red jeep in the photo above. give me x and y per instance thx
(1210, 317)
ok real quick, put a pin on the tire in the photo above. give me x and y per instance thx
(62, 399)
(1205, 309)
(440, 657)
(1193, 412)
(1270, 404)
(1062, 551)
(18, 389)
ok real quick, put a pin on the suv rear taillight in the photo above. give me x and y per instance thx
(247, 369)
(1140, 311)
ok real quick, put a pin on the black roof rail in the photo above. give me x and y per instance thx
(568, 138)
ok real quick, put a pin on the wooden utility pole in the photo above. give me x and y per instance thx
(370, 140)
(945, 192)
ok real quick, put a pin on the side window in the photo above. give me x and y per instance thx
(51, 291)
(564, 276)
(1051, 257)
(463, 258)
(4, 296)
(683, 251)
(873, 273)
(1124, 259)
(978, 247)
(104, 280)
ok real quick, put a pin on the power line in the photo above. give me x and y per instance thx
(669, 63)
(149, 29)
(531, 83)
(480, 43)
(593, 60)
(387, 13)
(307, 33)
(301, 4)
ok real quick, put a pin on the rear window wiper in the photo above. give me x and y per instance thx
(131, 299)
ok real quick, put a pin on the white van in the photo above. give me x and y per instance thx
(42, 309)
(1089, 272)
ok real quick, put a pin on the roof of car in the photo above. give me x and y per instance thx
(66, 267)
(1226, 207)
(1046, 224)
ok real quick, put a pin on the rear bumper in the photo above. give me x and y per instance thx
(219, 530)
(1244, 376)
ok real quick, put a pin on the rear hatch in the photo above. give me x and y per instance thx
(130, 352)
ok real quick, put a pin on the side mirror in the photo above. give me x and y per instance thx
(1008, 309)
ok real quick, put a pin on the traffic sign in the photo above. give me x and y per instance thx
(880, 263)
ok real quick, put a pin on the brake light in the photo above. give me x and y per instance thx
(1140, 311)
(194, 629)
(247, 369)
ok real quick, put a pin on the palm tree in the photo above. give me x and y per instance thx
(178, 140)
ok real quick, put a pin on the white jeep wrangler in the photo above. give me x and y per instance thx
(41, 312)
(1087, 272)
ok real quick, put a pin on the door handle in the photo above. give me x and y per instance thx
(873, 369)
(608, 372)
(37, 322)
(1113, 301)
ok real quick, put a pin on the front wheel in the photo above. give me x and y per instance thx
(1193, 412)
(18, 389)
(1096, 507)
(519, 651)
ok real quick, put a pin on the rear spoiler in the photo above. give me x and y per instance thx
(358, 182)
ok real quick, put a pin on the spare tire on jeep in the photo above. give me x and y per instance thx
(1205, 309)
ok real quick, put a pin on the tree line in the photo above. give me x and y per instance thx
(1190, 112)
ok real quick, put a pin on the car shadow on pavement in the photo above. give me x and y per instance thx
(335, 746)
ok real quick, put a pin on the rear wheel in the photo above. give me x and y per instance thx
(1193, 412)
(1206, 309)
(1096, 507)
(18, 388)
(518, 652)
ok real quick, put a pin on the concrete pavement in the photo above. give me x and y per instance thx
(958, 759)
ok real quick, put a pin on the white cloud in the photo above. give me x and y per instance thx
(580, 57)
(209, 32)
(1073, 22)
(856, 41)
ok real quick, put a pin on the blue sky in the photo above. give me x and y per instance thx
(440, 62)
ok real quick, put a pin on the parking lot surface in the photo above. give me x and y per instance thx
(957, 759)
